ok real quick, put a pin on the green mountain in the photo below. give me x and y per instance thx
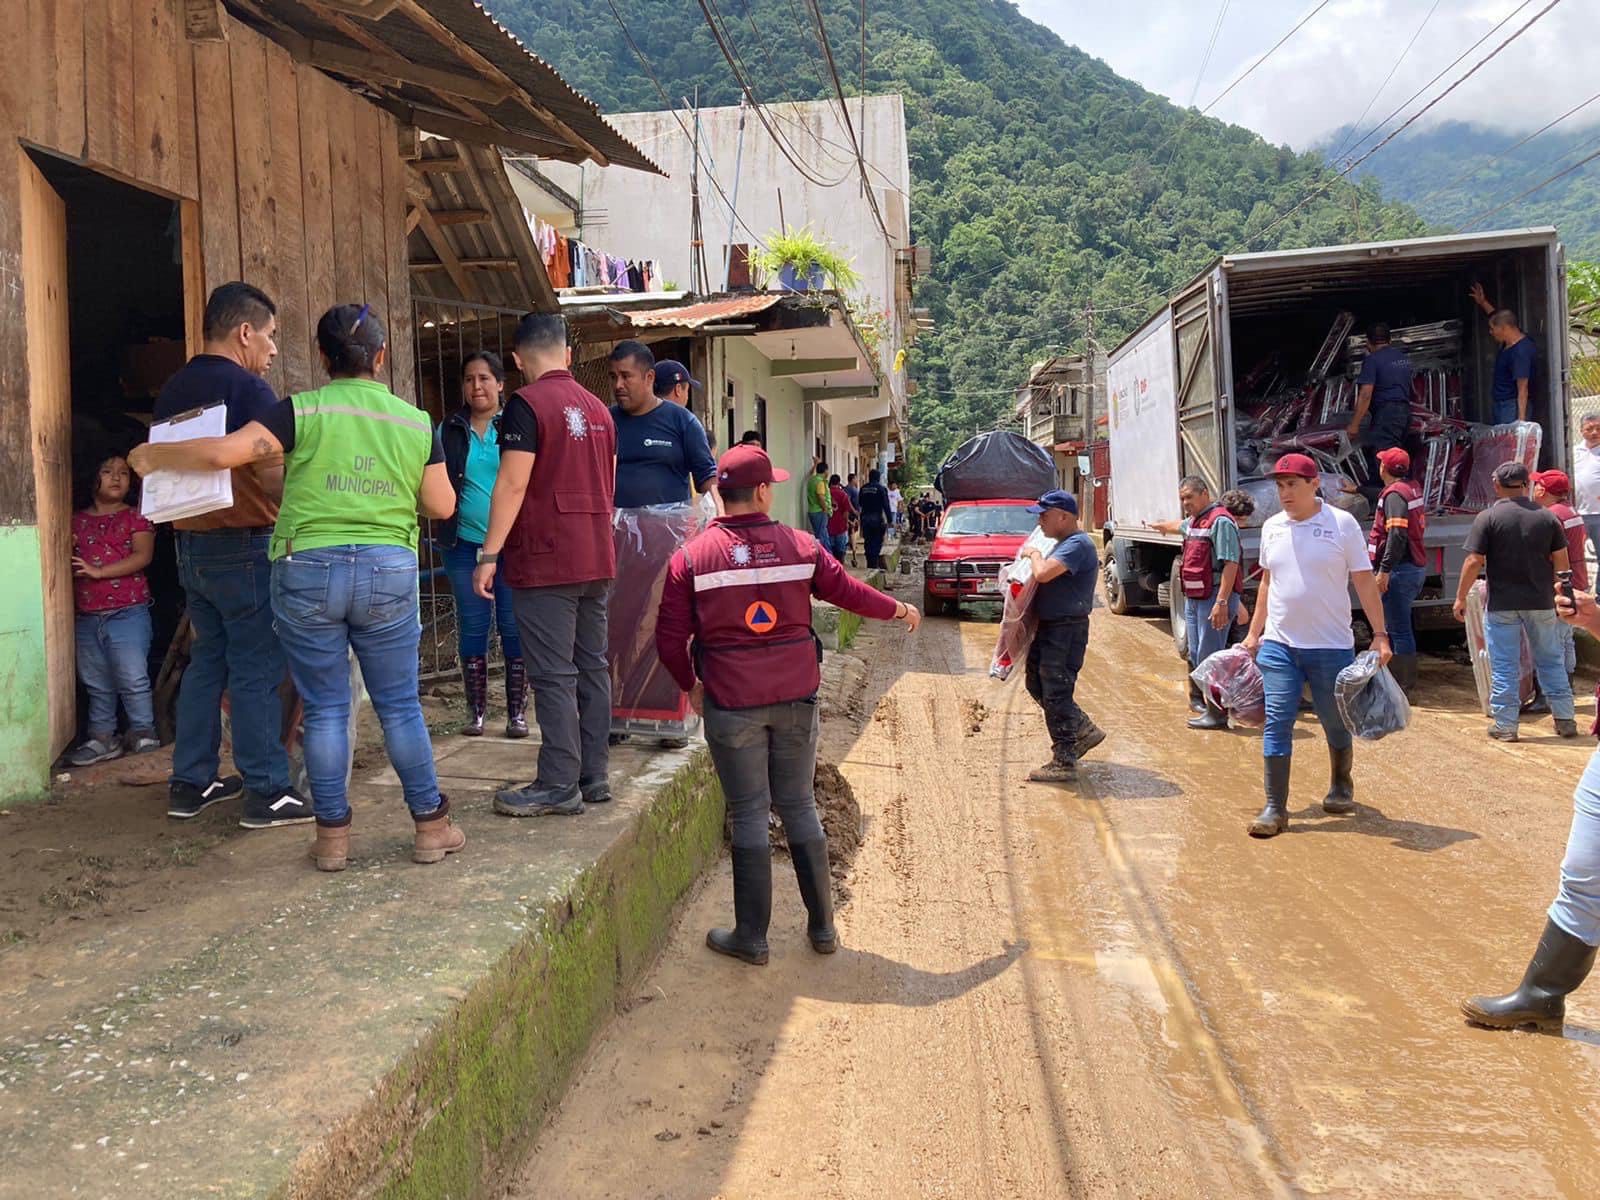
(1455, 171)
(1043, 180)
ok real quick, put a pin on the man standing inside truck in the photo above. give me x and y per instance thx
(1384, 389)
(1514, 366)
(1211, 571)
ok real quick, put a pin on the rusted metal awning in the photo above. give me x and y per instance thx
(448, 67)
(697, 316)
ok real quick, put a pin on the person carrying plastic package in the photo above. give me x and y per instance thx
(550, 518)
(1565, 953)
(1312, 554)
(1384, 389)
(471, 440)
(1515, 366)
(1551, 490)
(227, 580)
(1212, 572)
(1519, 547)
(734, 629)
(1395, 543)
(359, 465)
(1064, 599)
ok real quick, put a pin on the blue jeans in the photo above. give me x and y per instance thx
(113, 661)
(1502, 632)
(473, 611)
(839, 544)
(1285, 672)
(819, 526)
(1576, 907)
(1405, 583)
(1204, 641)
(327, 602)
(227, 582)
(1503, 412)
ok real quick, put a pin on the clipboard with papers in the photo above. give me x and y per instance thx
(174, 495)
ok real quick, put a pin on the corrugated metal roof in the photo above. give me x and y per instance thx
(459, 37)
(695, 316)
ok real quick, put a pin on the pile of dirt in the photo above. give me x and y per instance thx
(841, 821)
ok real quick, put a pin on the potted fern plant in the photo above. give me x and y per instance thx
(800, 261)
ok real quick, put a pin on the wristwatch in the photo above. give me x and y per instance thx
(485, 557)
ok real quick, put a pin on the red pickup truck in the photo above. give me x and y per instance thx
(975, 539)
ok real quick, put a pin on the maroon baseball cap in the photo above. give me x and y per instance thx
(1296, 464)
(747, 466)
(1554, 482)
(1396, 459)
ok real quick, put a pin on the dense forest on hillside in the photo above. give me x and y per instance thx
(1455, 171)
(1044, 181)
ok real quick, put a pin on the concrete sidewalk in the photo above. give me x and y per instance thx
(393, 1030)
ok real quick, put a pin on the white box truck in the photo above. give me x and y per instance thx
(1171, 384)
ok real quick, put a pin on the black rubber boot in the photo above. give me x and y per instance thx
(516, 698)
(1559, 965)
(475, 682)
(1274, 817)
(1404, 669)
(1212, 718)
(816, 889)
(1197, 702)
(752, 908)
(1341, 797)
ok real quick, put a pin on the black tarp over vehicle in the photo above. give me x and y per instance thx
(996, 466)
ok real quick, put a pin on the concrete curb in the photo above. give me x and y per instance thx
(451, 1118)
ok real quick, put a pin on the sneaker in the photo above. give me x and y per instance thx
(95, 750)
(1566, 728)
(1054, 771)
(595, 791)
(143, 741)
(184, 800)
(288, 808)
(536, 800)
(1502, 735)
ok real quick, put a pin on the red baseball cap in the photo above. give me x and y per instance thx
(1296, 464)
(1396, 459)
(1554, 482)
(747, 466)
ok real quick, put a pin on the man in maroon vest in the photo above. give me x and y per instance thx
(550, 514)
(735, 631)
(1398, 558)
(1553, 490)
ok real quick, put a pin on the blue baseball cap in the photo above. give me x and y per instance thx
(1065, 501)
(670, 373)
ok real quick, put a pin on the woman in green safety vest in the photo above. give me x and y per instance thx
(359, 465)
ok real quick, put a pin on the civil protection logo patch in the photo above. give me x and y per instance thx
(761, 617)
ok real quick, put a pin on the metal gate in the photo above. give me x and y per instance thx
(1202, 443)
(447, 331)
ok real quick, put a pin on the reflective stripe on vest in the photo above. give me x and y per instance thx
(1415, 522)
(1199, 572)
(749, 576)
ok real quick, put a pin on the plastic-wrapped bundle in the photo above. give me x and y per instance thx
(1231, 680)
(1478, 647)
(1370, 701)
(1017, 620)
(1265, 493)
(642, 690)
(1492, 445)
(995, 466)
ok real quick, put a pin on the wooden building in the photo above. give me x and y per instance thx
(152, 149)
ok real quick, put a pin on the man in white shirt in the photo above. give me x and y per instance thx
(1586, 478)
(1311, 554)
(894, 505)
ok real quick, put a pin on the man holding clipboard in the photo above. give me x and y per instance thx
(222, 561)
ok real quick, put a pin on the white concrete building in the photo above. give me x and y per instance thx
(853, 424)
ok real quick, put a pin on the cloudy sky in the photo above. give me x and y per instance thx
(1325, 75)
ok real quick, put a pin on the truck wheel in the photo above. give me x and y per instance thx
(1116, 593)
(1180, 627)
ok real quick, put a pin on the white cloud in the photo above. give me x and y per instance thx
(1324, 76)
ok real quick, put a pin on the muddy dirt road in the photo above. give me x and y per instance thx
(1109, 989)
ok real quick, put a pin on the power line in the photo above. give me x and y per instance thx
(1505, 20)
(844, 111)
(1411, 120)
(1387, 79)
(1475, 168)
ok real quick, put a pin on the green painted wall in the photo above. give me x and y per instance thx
(24, 712)
(751, 373)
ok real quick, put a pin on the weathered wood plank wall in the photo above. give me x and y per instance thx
(299, 183)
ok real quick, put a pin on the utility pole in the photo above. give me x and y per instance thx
(696, 243)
